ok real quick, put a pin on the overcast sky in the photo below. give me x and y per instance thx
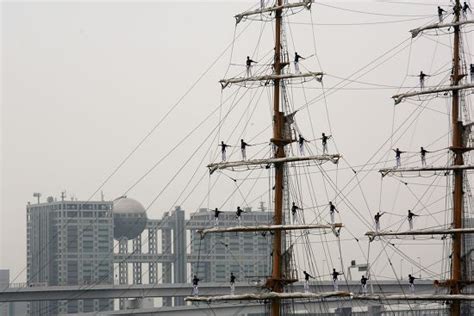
(84, 82)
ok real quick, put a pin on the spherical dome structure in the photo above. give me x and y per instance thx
(129, 218)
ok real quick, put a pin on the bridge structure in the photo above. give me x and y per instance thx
(139, 292)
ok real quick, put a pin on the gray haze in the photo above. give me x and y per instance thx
(83, 83)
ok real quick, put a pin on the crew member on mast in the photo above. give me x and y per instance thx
(243, 146)
(423, 156)
(248, 63)
(332, 209)
(239, 215)
(398, 154)
(232, 283)
(223, 150)
(422, 77)
(410, 219)
(377, 221)
(440, 14)
(324, 141)
(294, 208)
(216, 216)
(465, 8)
(306, 281)
(297, 60)
(335, 274)
(301, 141)
(363, 284)
(195, 286)
(411, 281)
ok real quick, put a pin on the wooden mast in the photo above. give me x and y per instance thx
(278, 118)
(457, 144)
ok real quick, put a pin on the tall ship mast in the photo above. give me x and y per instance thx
(283, 135)
(459, 146)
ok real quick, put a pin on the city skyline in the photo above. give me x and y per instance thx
(79, 98)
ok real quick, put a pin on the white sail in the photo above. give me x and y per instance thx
(317, 75)
(266, 296)
(263, 228)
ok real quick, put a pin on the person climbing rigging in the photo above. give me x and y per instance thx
(440, 14)
(335, 274)
(363, 284)
(411, 281)
(301, 141)
(377, 220)
(332, 209)
(297, 60)
(422, 77)
(224, 150)
(324, 141)
(398, 156)
(410, 219)
(216, 216)
(423, 153)
(239, 215)
(195, 285)
(243, 146)
(248, 64)
(294, 208)
(306, 281)
(232, 283)
(465, 8)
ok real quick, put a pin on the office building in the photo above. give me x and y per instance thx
(69, 243)
(214, 257)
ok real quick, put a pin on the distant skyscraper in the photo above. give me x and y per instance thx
(72, 243)
(69, 243)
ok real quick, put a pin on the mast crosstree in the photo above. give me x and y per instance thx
(277, 7)
(265, 163)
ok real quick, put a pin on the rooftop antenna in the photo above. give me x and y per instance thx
(37, 195)
(102, 195)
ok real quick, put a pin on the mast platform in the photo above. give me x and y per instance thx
(264, 163)
(305, 3)
(317, 75)
(399, 97)
(263, 228)
(268, 296)
(386, 171)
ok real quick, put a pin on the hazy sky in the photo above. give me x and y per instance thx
(84, 82)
